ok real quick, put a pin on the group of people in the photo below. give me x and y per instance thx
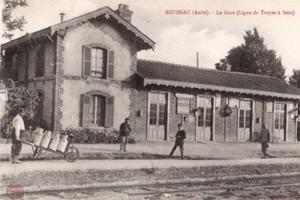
(181, 135)
(125, 129)
(264, 139)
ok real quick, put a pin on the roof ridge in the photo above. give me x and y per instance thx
(164, 62)
(76, 17)
(208, 69)
(105, 9)
(56, 24)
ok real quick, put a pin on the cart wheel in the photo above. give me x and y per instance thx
(71, 154)
(38, 152)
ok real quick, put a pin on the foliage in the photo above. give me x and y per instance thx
(294, 79)
(18, 98)
(253, 57)
(12, 23)
(93, 136)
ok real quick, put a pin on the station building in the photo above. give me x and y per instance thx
(87, 74)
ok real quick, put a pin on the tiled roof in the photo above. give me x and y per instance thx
(161, 73)
(107, 11)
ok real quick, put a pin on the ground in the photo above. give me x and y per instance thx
(148, 162)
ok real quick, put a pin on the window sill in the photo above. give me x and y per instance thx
(101, 80)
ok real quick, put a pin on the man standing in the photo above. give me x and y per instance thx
(180, 136)
(124, 133)
(265, 139)
(18, 127)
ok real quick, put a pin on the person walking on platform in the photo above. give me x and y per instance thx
(125, 130)
(179, 141)
(265, 140)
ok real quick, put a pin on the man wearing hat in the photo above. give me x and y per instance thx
(180, 136)
(124, 133)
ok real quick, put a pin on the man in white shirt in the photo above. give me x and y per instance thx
(18, 127)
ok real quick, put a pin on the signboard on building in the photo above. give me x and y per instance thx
(183, 103)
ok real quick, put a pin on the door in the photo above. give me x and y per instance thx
(280, 120)
(204, 119)
(298, 131)
(245, 121)
(157, 116)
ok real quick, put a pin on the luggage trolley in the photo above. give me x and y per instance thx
(70, 154)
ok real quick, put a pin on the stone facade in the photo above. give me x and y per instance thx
(53, 65)
(75, 84)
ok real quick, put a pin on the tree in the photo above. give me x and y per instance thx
(294, 79)
(11, 23)
(253, 57)
(19, 97)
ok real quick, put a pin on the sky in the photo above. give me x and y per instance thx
(180, 28)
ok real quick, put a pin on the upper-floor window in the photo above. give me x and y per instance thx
(15, 67)
(98, 62)
(40, 61)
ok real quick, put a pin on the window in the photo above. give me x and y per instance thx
(241, 120)
(40, 61)
(162, 114)
(245, 119)
(158, 109)
(98, 110)
(98, 62)
(245, 115)
(15, 67)
(201, 116)
(157, 114)
(204, 105)
(208, 117)
(279, 115)
(153, 118)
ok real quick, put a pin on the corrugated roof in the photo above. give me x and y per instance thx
(161, 73)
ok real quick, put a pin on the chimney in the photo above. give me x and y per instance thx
(124, 12)
(62, 16)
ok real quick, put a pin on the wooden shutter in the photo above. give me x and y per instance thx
(86, 106)
(86, 60)
(110, 64)
(43, 59)
(109, 111)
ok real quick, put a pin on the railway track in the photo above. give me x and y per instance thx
(189, 188)
(230, 184)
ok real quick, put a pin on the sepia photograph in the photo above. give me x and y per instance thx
(150, 100)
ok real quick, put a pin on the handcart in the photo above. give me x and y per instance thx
(70, 154)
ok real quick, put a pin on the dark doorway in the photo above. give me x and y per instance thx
(298, 131)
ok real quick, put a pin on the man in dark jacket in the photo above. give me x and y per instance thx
(124, 133)
(180, 136)
(265, 139)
